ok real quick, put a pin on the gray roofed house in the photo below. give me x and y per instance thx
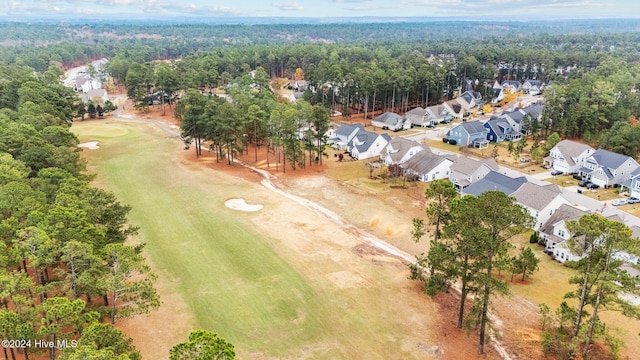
(432, 115)
(428, 166)
(531, 86)
(469, 133)
(98, 96)
(568, 156)
(541, 201)
(494, 181)
(634, 183)
(533, 110)
(606, 168)
(553, 231)
(465, 171)
(344, 134)
(499, 129)
(391, 121)
(365, 144)
(399, 150)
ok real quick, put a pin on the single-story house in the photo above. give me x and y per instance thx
(428, 166)
(399, 150)
(391, 121)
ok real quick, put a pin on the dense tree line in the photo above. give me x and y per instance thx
(64, 266)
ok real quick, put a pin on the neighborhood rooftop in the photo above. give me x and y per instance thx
(495, 181)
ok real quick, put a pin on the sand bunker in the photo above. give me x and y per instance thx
(240, 204)
(91, 145)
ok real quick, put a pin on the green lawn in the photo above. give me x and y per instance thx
(262, 296)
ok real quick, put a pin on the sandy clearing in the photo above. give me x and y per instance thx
(91, 145)
(241, 205)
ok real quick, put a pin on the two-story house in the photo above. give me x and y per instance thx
(568, 156)
(469, 133)
(432, 115)
(465, 171)
(634, 184)
(366, 144)
(531, 86)
(541, 201)
(606, 168)
(554, 231)
(342, 136)
(399, 150)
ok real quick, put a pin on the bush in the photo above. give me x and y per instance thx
(534, 238)
(445, 140)
(452, 142)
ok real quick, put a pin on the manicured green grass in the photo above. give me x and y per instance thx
(234, 283)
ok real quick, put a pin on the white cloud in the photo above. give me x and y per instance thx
(289, 6)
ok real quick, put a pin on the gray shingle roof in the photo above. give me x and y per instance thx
(473, 127)
(535, 196)
(609, 159)
(534, 110)
(417, 111)
(498, 125)
(565, 212)
(423, 162)
(466, 165)
(495, 181)
(571, 149)
(347, 129)
(367, 138)
(389, 118)
(400, 146)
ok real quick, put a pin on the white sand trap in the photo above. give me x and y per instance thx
(240, 204)
(91, 145)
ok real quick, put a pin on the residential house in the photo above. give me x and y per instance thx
(554, 231)
(531, 86)
(428, 166)
(84, 83)
(541, 201)
(465, 171)
(568, 156)
(454, 108)
(399, 150)
(469, 100)
(365, 144)
(432, 115)
(469, 133)
(606, 168)
(563, 253)
(506, 87)
(494, 181)
(500, 130)
(97, 96)
(633, 184)
(391, 121)
(342, 136)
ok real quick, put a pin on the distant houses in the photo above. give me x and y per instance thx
(469, 133)
(360, 144)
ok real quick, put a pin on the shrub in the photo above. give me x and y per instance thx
(445, 140)
(452, 142)
(534, 238)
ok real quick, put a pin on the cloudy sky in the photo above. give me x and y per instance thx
(476, 9)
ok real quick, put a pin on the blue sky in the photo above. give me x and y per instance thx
(474, 9)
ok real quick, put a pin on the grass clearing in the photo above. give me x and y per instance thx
(279, 283)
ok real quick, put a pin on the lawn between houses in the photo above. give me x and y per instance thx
(299, 295)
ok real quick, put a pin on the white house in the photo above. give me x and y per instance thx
(568, 156)
(465, 171)
(554, 231)
(541, 201)
(399, 150)
(606, 168)
(432, 115)
(365, 144)
(342, 136)
(391, 121)
(428, 166)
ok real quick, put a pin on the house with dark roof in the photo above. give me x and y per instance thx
(494, 181)
(568, 156)
(465, 171)
(554, 231)
(469, 100)
(469, 133)
(500, 130)
(391, 121)
(399, 150)
(507, 86)
(428, 166)
(454, 108)
(365, 144)
(342, 136)
(606, 168)
(541, 201)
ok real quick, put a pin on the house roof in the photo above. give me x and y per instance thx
(565, 212)
(571, 149)
(535, 196)
(533, 82)
(516, 116)
(498, 125)
(347, 129)
(366, 139)
(454, 105)
(418, 111)
(608, 159)
(495, 181)
(399, 146)
(513, 83)
(473, 127)
(389, 118)
(534, 110)
(423, 162)
(466, 165)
